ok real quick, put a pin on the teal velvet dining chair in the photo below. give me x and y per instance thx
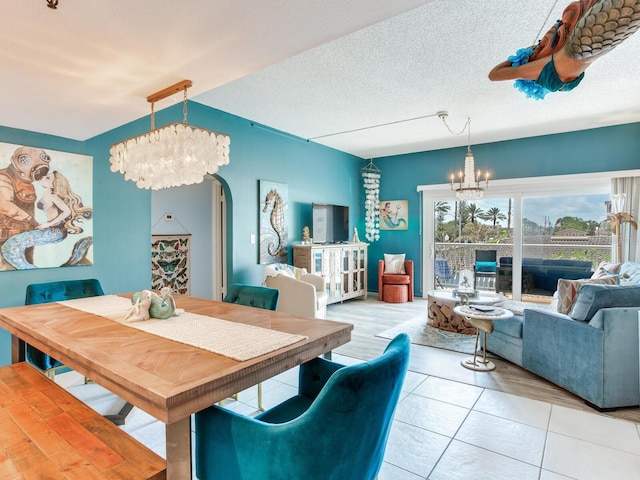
(56, 292)
(335, 428)
(253, 296)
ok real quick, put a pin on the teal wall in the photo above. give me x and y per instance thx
(312, 172)
(597, 150)
(122, 212)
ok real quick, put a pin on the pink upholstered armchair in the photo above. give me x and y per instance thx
(395, 287)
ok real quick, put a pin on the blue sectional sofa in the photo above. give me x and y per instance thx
(544, 272)
(593, 351)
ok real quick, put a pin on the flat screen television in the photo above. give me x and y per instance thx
(330, 223)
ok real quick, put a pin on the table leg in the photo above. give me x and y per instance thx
(483, 365)
(484, 350)
(178, 437)
(17, 350)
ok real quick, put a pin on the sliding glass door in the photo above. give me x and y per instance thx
(537, 229)
(563, 236)
(471, 236)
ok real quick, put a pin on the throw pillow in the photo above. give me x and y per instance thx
(568, 290)
(486, 266)
(283, 269)
(394, 263)
(592, 298)
(606, 269)
(289, 270)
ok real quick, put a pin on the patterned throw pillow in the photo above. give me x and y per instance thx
(394, 263)
(606, 269)
(568, 290)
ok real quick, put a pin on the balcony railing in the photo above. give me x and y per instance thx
(461, 256)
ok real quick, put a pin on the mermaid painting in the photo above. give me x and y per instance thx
(64, 212)
(390, 219)
(587, 30)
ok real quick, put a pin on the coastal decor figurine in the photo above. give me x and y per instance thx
(306, 238)
(148, 304)
(139, 311)
(164, 305)
(356, 238)
(465, 284)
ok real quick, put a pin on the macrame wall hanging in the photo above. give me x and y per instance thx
(371, 183)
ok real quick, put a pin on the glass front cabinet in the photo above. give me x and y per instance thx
(343, 266)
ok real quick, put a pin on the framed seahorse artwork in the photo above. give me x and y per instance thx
(394, 215)
(273, 201)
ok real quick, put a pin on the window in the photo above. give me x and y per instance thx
(533, 232)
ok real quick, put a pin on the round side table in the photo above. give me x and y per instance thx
(481, 317)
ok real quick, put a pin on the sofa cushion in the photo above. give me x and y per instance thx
(395, 279)
(568, 290)
(593, 297)
(532, 261)
(394, 263)
(606, 269)
(511, 327)
(526, 261)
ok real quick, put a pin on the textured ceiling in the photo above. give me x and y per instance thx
(311, 68)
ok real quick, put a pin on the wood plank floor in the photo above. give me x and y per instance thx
(371, 317)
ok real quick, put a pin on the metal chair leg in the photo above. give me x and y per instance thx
(260, 406)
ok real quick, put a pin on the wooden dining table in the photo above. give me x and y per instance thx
(168, 379)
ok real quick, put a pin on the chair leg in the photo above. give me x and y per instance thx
(260, 406)
(234, 396)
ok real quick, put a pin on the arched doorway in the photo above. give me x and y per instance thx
(203, 213)
(221, 246)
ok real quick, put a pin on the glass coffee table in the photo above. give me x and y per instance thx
(482, 317)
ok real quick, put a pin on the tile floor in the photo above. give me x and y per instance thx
(446, 430)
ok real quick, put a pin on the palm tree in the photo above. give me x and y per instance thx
(441, 209)
(529, 227)
(474, 212)
(494, 214)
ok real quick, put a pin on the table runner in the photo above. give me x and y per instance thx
(234, 340)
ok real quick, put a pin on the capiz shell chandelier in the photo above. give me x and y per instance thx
(371, 183)
(172, 155)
